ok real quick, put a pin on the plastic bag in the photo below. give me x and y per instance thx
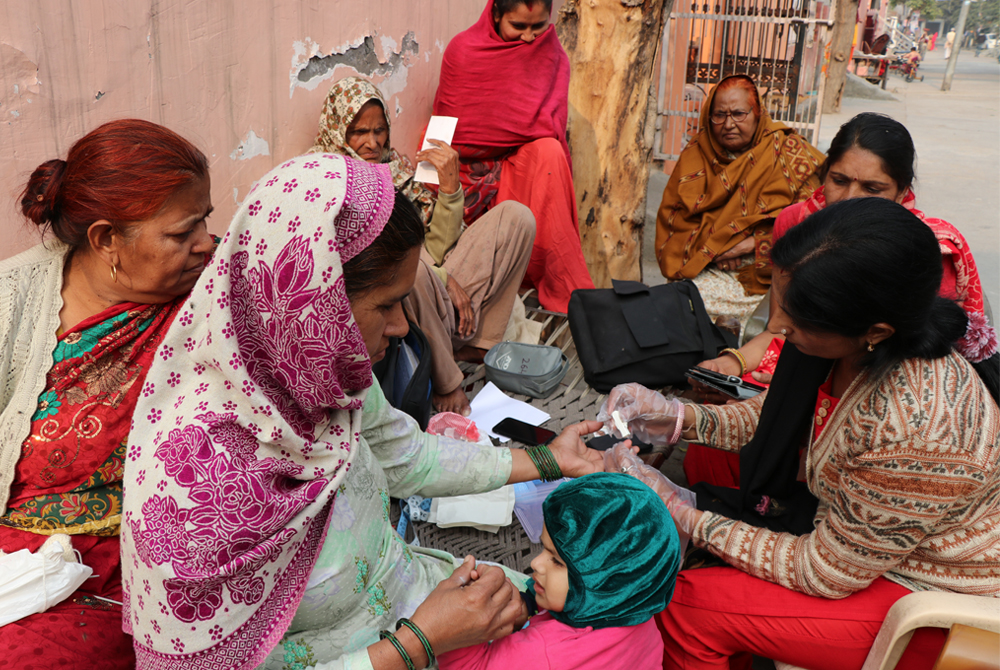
(528, 499)
(621, 459)
(32, 583)
(454, 426)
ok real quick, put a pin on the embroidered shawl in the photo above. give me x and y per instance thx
(343, 102)
(714, 201)
(980, 340)
(69, 476)
(248, 422)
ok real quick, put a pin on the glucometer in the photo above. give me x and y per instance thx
(605, 442)
(732, 386)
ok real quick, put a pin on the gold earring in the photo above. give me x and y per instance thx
(114, 273)
(871, 347)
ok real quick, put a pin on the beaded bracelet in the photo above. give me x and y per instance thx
(386, 635)
(545, 463)
(420, 636)
(739, 357)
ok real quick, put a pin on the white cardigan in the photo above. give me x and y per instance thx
(30, 301)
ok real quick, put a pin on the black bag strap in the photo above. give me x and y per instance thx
(706, 328)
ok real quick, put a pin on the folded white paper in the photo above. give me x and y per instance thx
(491, 406)
(438, 128)
(485, 511)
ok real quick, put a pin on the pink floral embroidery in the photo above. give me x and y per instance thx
(241, 508)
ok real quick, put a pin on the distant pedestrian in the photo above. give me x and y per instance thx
(949, 43)
(933, 39)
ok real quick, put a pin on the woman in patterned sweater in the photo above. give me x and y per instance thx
(900, 460)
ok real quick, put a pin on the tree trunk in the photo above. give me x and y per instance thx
(612, 47)
(844, 26)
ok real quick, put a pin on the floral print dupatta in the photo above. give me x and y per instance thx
(248, 422)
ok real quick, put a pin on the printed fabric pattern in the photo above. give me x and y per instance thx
(714, 200)
(980, 339)
(68, 479)
(343, 102)
(248, 422)
(906, 475)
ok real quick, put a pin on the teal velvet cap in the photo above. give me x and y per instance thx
(620, 547)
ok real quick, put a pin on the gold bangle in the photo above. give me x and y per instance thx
(739, 357)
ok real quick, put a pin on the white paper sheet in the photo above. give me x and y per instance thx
(438, 128)
(485, 511)
(491, 406)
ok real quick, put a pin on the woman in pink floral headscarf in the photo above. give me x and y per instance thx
(263, 454)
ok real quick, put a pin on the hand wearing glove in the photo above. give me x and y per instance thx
(679, 501)
(651, 417)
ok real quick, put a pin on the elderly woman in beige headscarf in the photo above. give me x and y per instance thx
(467, 281)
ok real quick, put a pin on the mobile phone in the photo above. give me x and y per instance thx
(523, 432)
(605, 442)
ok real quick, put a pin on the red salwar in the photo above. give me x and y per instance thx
(718, 617)
(537, 175)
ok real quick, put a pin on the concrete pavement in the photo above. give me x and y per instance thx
(957, 137)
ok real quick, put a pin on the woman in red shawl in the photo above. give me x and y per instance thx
(872, 156)
(81, 317)
(507, 80)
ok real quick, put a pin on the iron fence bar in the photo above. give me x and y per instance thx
(736, 18)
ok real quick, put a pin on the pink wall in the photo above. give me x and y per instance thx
(224, 74)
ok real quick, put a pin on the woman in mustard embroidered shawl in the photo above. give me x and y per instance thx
(718, 209)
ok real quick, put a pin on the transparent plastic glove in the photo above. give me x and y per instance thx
(680, 502)
(651, 416)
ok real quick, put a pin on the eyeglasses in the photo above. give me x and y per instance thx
(718, 118)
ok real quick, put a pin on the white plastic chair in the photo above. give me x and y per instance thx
(924, 609)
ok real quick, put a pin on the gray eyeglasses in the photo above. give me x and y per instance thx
(718, 118)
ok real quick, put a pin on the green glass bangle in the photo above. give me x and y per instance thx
(554, 470)
(386, 635)
(420, 636)
(534, 460)
(550, 461)
(537, 461)
(545, 463)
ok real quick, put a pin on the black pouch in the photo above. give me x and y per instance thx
(646, 334)
(404, 374)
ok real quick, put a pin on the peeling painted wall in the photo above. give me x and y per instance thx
(243, 81)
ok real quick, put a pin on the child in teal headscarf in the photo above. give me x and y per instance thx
(609, 560)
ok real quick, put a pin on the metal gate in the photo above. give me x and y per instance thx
(781, 44)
